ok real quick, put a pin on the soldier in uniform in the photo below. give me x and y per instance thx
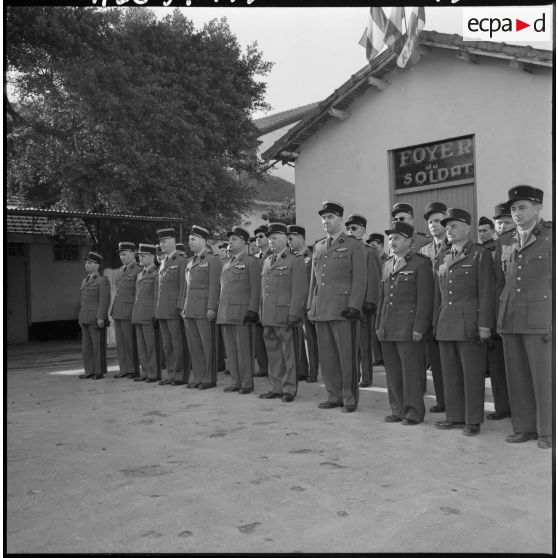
(376, 242)
(485, 231)
(93, 317)
(181, 249)
(284, 288)
(433, 214)
(336, 295)
(503, 221)
(203, 283)
(524, 270)
(308, 367)
(356, 228)
(463, 315)
(403, 320)
(121, 310)
(404, 213)
(238, 310)
(143, 313)
(170, 298)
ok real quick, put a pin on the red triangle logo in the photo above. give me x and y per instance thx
(519, 25)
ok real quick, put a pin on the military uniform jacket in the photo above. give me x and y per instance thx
(338, 278)
(524, 281)
(203, 283)
(431, 251)
(419, 241)
(406, 299)
(373, 274)
(465, 293)
(147, 284)
(307, 255)
(170, 295)
(125, 295)
(95, 299)
(240, 289)
(284, 289)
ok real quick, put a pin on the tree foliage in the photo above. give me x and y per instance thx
(284, 213)
(116, 111)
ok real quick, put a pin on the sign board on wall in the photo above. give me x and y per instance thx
(433, 165)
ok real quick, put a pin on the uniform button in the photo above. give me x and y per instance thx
(451, 281)
(519, 278)
(518, 290)
(451, 270)
(323, 283)
(450, 303)
(451, 292)
(391, 294)
(518, 267)
(520, 255)
(390, 303)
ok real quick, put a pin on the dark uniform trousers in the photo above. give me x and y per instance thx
(238, 346)
(433, 357)
(145, 335)
(312, 345)
(497, 371)
(91, 349)
(201, 334)
(124, 337)
(173, 346)
(338, 281)
(280, 349)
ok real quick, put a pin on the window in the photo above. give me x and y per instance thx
(66, 252)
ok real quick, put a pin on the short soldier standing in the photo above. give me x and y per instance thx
(238, 310)
(143, 313)
(170, 296)
(121, 310)
(403, 212)
(335, 298)
(503, 221)
(203, 276)
(283, 294)
(463, 315)
(404, 317)
(524, 268)
(93, 317)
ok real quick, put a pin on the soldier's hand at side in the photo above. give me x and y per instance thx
(546, 338)
(293, 321)
(211, 315)
(155, 323)
(417, 337)
(250, 318)
(484, 333)
(351, 313)
(369, 308)
(100, 324)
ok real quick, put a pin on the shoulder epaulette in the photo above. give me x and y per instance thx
(422, 256)
(423, 234)
(319, 240)
(507, 232)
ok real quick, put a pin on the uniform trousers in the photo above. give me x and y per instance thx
(497, 371)
(405, 363)
(302, 358)
(433, 357)
(259, 349)
(463, 371)
(312, 344)
(339, 359)
(239, 347)
(281, 358)
(376, 345)
(91, 349)
(172, 338)
(201, 334)
(145, 336)
(530, 382)
(366, 349)
(124, 336)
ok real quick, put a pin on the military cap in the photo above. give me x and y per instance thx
(401, 208)
(332, 207)
(485, 221)
(296, 229)
(240, 232)
(276, 228)
(434, 207)
(502, 210)
(94, 257)
(356, 220)
(378, 237)
(252, 239)
(126, 246)
(261, 229)
(524, 192)
(200, 231)
(147, 249)
(180, 247)
(404, 229)
(454, 214)
(166, 233)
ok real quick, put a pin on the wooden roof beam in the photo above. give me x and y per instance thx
(339, 114)
(289, 155)
(521, 66)
(377, 83)
(466, 56)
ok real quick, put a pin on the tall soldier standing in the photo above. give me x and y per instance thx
(238, 310)
(203, 276)
(121, 310)
(336, 295)
(93, 317)
(143, 313)
(524, 269)
(169, 306)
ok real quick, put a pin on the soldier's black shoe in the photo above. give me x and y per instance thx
(231, 388)
(85, 376)
(471, 429)
(134, 376)
(164, 382)
(329, 405)
(287, 398)
(544, 442)
(98, 377)
(207, 385)
(150, 380)
(392, 418)
(140, 379)
(260, 375)
(179, 383)
(498, 415)
(409, 422)
(448, 424)
(349, 409)
(378, 362)
(438, 408)
(120, 375)
(270, 395)
(302, 378)
(520, 437)
(364, 384)
(311, 380)
(245, 390)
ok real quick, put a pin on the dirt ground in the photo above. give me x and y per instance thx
(120, 466)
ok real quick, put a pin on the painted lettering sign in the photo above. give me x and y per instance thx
(435, 164)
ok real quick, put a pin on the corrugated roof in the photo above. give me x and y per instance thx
(27, 224)
(287, 147)
(269, 188)
(56, 213)
(279, 120)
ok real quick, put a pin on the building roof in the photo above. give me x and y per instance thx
(269, 188)
(287, 147)
(279, 120)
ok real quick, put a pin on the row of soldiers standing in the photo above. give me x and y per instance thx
(454, 297)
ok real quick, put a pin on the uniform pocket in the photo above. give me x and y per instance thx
(539, 311)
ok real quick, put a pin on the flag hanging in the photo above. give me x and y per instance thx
(414, 26)
(373, 37)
